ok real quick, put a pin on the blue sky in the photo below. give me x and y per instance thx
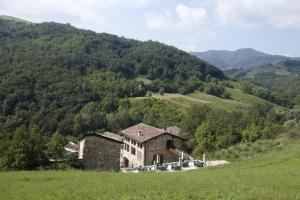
(272, 26)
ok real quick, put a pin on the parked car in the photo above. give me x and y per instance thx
(176, 166)
(162, 167)
(185, 163)
(198, 163)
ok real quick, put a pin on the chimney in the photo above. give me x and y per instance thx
(139, 133)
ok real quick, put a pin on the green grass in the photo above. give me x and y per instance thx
(244, 151)
(238, 100)
(272, 175)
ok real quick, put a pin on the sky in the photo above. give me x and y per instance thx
(271, 26)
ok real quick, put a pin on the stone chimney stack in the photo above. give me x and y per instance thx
(139, 133)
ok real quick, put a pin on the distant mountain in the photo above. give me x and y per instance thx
(241, 58)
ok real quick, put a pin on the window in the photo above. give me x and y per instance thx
(132, 151)
(133, 142)
(140, 145)
(127, 147)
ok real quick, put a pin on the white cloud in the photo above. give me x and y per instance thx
(183, 17)
(61, 11)
(82, 13)
(201, 40)
(158, 21)
(253, 13)
(191, 17)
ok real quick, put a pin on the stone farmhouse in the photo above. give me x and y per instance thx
(146, 145)
(138, 145)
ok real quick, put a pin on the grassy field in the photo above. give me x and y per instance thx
(238, 100)
(272, 175)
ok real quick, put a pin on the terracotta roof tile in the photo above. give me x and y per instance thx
(142, 132)
(173, 130)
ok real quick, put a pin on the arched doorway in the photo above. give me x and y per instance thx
(125, 162)
(158, 159)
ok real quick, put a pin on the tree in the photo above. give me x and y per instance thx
(5, 141)
(118, 121)
(205, 137)
(90, 118)
(27, 150)
(193, 118)
(55, 147)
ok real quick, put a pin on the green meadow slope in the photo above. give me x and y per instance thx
(238, 100)
(273, 175)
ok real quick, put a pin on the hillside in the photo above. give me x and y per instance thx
(14, 19)
(241, 58)
(54, 74)
(238, 100)
(283, 78)
(271, 175)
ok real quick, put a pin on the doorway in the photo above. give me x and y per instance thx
(158, 159)
(126, 162)
(170, 144)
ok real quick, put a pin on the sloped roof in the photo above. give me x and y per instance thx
(173, 130)
(71, 147)
(107, 135)
(113, 136)
(143, 132)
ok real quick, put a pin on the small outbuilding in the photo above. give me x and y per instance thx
(100, 151)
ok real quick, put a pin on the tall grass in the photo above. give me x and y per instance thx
(271, 175)
(248, 150)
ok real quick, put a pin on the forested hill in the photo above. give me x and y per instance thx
(283, 77)
(83, 51)
(55, 75)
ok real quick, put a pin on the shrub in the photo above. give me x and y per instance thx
(226, 95)
(149, 94)
(73, 161)
(272, 131)
(251, 133)
(161, 91)
(215, 90)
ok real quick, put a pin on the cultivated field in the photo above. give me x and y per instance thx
(272, 175)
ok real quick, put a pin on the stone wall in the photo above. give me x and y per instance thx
(101, 153)
(159, 146)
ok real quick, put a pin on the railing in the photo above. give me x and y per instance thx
(181, 153)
